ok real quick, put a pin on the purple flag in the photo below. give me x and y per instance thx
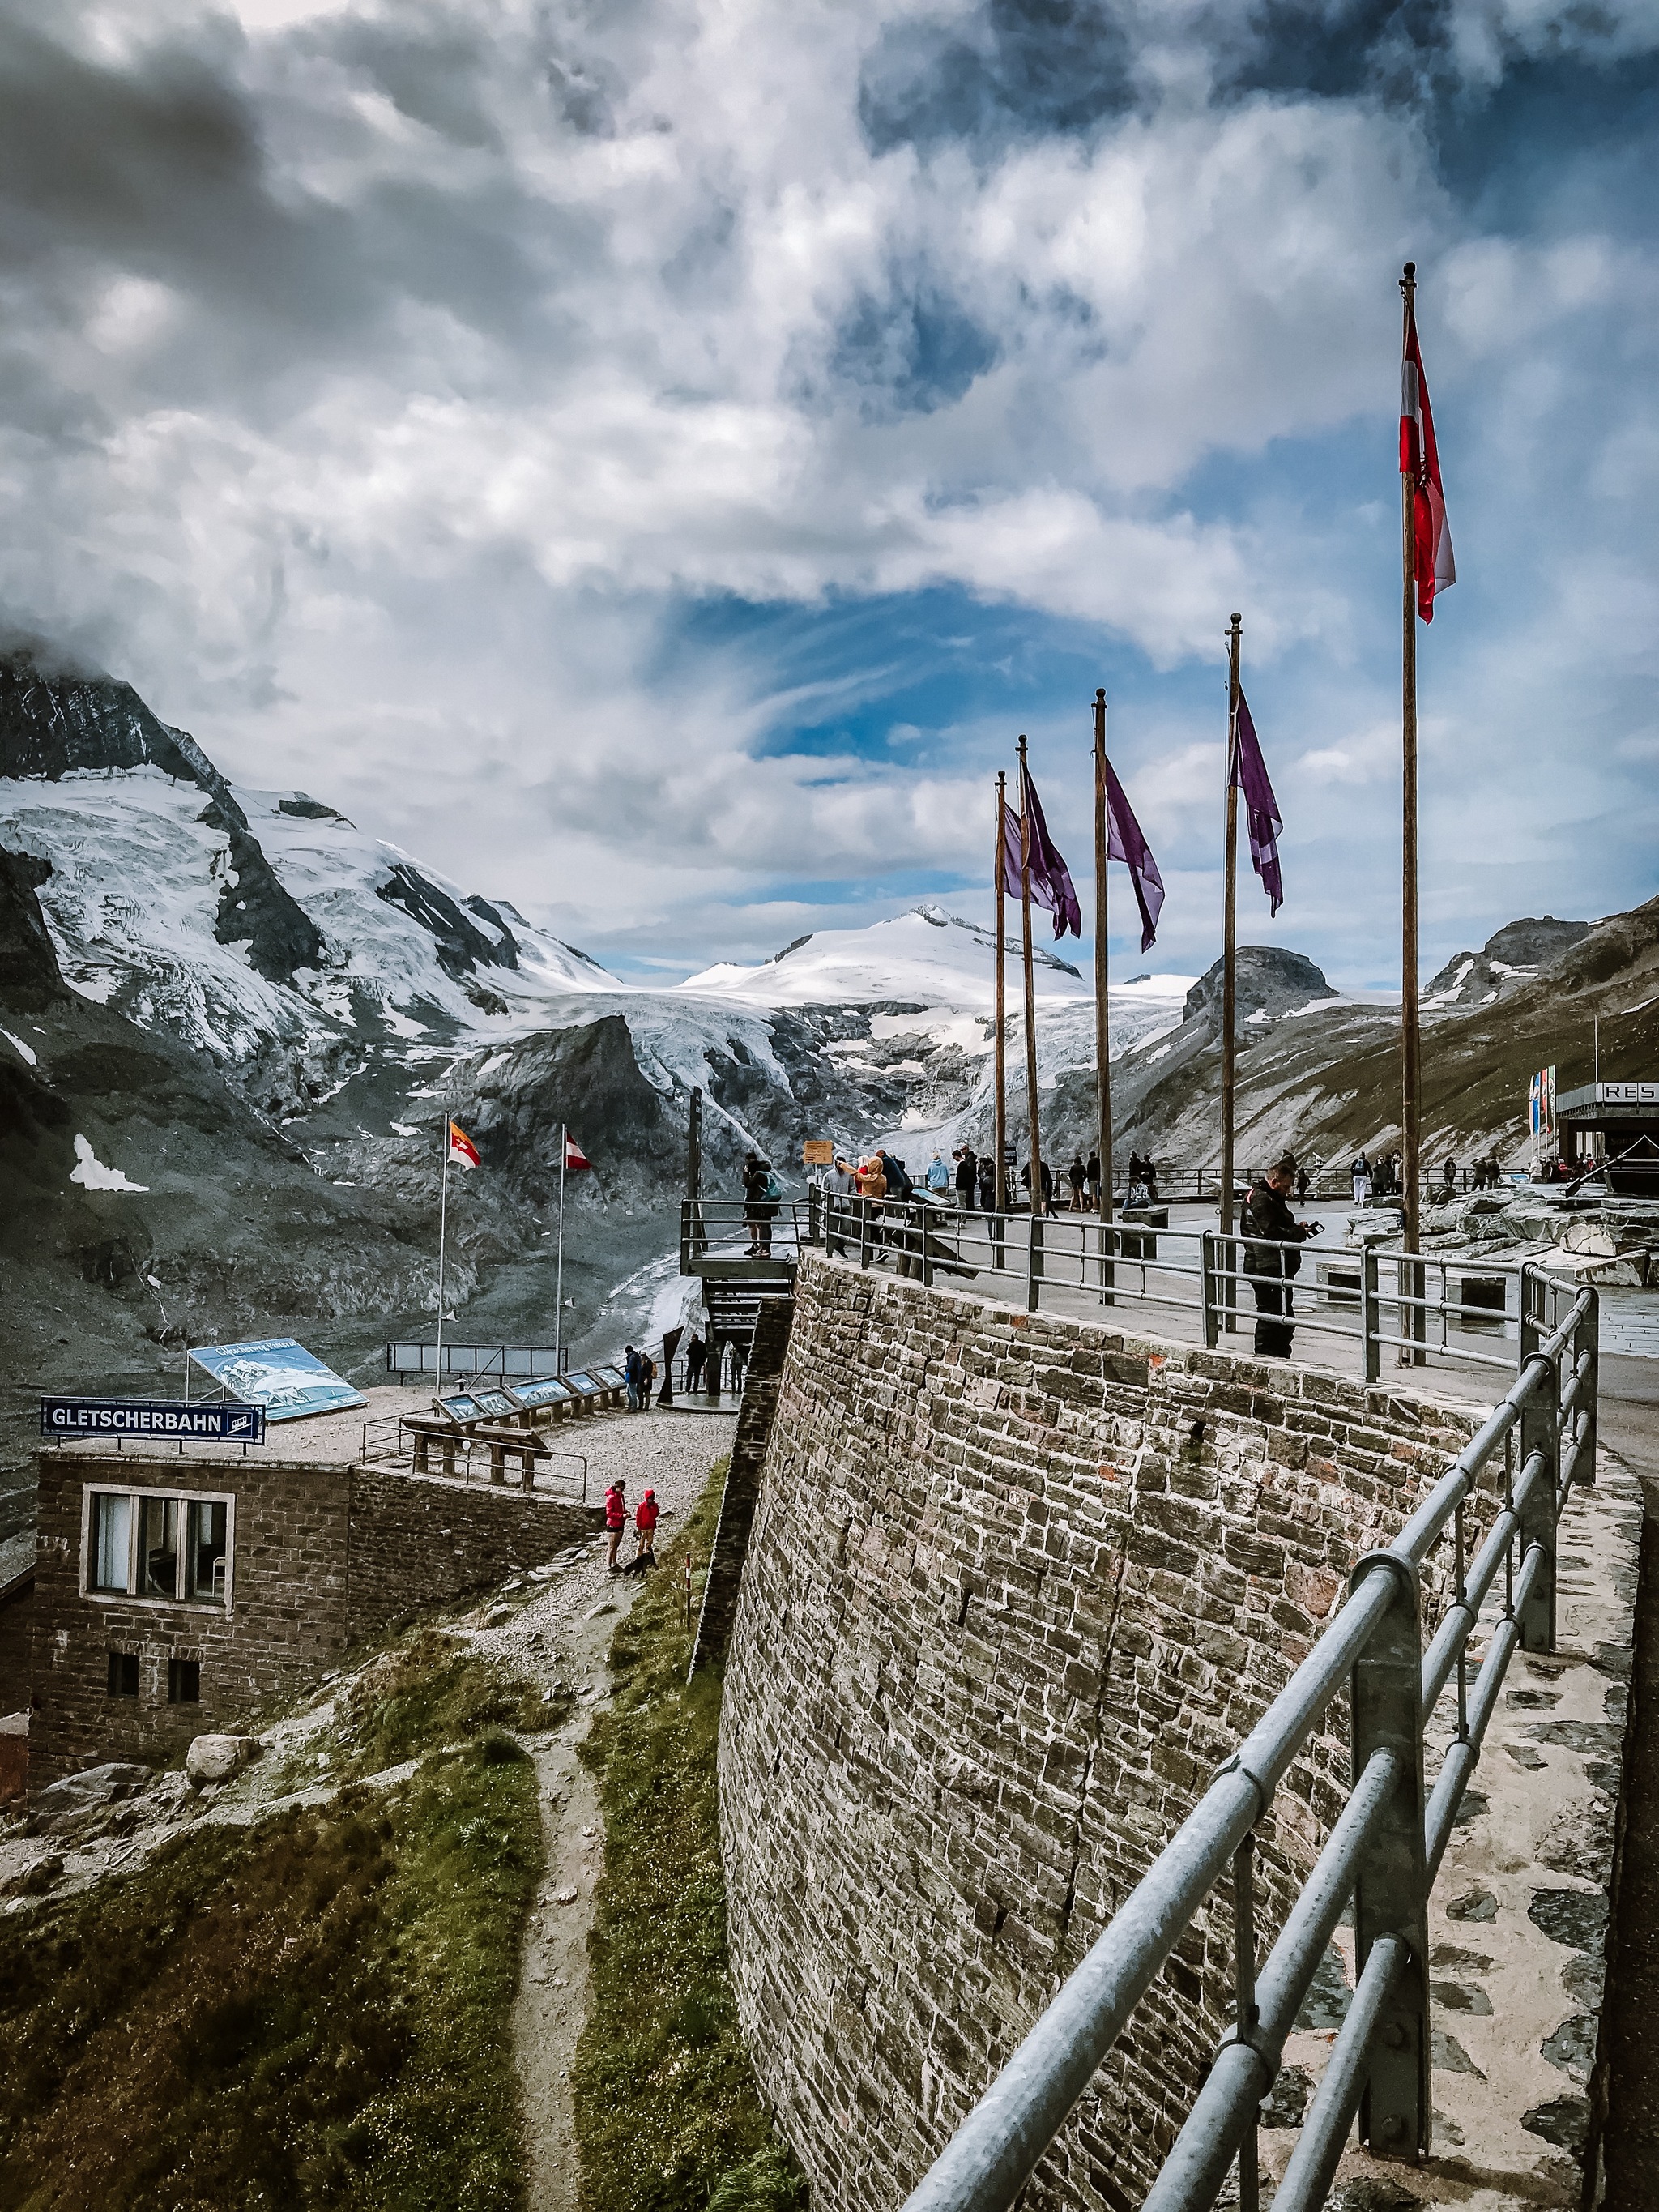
(1249, 772)
(1051, 879)
(1125, 842)
(1011, 881)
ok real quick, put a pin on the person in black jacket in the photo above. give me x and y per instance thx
(1268, 1215)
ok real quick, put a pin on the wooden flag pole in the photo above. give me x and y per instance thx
(1229, 937)
(1410, 1035)
(443, 1226)
(1031, 994)
(999, 1184)
(1102, 1025)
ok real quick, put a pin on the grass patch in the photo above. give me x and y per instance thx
(668, 2117)
(311, 2013)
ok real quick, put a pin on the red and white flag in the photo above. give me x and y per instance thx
(574, 1156)
(1433, 565)
(462, 1150)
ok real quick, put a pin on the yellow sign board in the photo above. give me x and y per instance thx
(817, 1152)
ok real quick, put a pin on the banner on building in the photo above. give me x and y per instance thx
(1540, 1112)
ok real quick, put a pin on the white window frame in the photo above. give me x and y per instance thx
(184, 1499)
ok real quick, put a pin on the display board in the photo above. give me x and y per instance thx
(611, 1377)
(550, 1390)
(279, 1374)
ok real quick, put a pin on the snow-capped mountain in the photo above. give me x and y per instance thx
(912, 1001)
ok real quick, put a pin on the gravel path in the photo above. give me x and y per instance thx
(563, 1634)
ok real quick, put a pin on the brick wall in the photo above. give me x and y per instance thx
(417, 1541)
(288, 1625)
(1016, 1586)
(324, 1556)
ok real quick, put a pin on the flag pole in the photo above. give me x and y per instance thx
(1410, 1037)
(1229, 937)
(1034, 1141)
(1102, 1026)
(999, 1193)
(443, 1225)
(558, 1274)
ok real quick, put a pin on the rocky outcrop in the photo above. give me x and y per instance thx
(1268, 980)
(28, 959)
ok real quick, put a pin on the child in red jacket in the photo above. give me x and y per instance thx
(615, 1523)
(644, 1529)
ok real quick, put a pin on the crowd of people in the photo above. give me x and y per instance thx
(969, 1179)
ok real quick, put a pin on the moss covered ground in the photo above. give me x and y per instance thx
(668, 2115)
(312, 2012)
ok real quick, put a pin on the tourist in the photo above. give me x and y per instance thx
(762, 1193)
(872, 1178)
(1451, 1176)
(987, 1184)
(616, 1521)
(645, 1530)
(1302, 1186)
(899, 1185)
(939, 1176)
(968, 1175)
(1268, 1215)
(1149, 1177)
(647, 1376)
(631, 1376)
(840, 1184)
(1361, 1172)
(1077, 1175)
(1092, 1175)
(697, 1358)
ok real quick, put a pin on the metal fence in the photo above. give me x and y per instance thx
(1383, 1851)
(1421, 1308)
(410, 1357)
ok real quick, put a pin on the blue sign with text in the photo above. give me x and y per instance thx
(212, 1421)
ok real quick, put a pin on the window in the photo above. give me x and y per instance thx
(184, 1681)
(112, 1541)
(124, 1674)
(158, 1546)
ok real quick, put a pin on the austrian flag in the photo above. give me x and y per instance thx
(1419, 459)
(574, 1156)
(462, 1150)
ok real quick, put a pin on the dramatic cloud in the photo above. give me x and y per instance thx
(651, 459)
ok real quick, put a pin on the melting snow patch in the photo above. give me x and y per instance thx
(27, 1050)
(90, 1172)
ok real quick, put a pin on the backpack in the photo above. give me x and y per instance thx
(774, 1188)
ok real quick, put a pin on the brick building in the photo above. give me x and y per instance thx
(172, 1594)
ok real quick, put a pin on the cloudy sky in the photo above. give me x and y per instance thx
(650, 458)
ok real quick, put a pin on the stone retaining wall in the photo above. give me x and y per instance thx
(1016, 1586)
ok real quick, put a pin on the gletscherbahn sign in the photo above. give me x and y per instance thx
(170, 1418)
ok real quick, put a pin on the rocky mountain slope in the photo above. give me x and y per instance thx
(1322, 1076)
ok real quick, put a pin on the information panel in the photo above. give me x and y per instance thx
(206, 1422)
(279, 1374)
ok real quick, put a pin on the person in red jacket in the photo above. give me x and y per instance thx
(616, 1522)
(644, 1529)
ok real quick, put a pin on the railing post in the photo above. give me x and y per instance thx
(1034, 1255)
(864, 1232)
(1370, 1313)
(1390, 1891)
(1541, 1431)
(1590, 1341)
(923, 1211)
(1206, 1257)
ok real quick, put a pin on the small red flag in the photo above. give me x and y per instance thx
(574, 1156)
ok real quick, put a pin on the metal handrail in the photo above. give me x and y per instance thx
(1199, 1270)
(1552, 1404)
